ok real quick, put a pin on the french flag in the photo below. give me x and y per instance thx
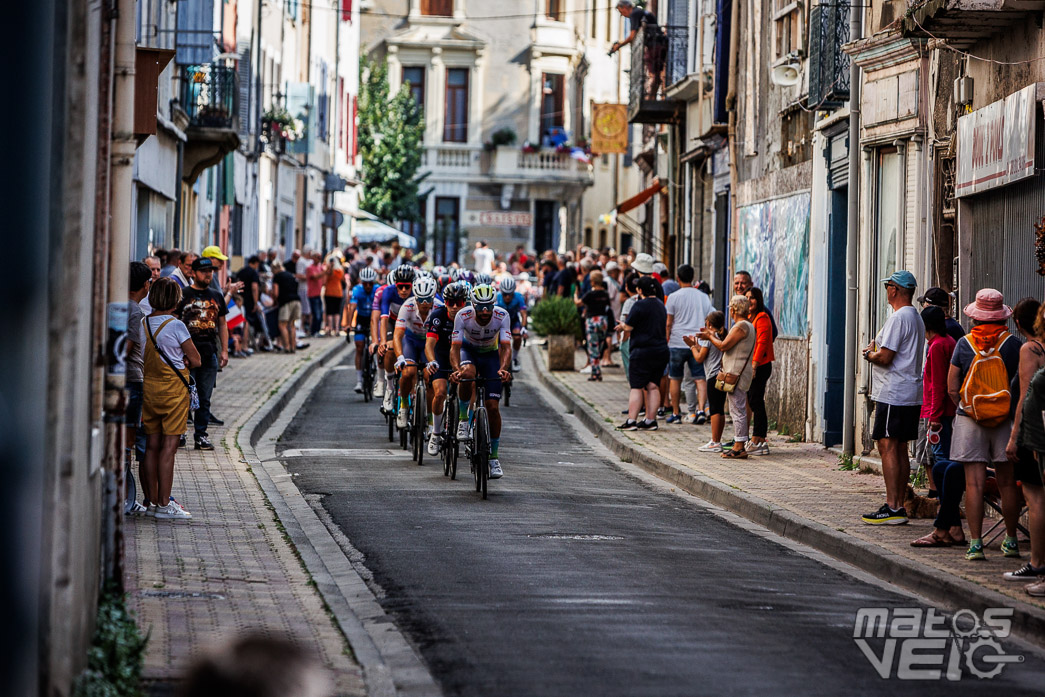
(235, 316)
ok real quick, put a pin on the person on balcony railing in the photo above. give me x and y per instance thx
(654, 47)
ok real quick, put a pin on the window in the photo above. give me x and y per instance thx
(455, 125)
(887, 223)
(417, 230)
(787, 28)
(415, 77)
(437, 8)
(553, 9)
(447, 229)
(553, 94)
(594, 19)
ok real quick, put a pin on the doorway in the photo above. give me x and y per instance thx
(544, 226)
(834, 382)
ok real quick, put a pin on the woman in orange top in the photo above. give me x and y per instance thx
(333, 294)
(762, 362)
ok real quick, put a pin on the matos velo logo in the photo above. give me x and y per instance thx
(910, 643)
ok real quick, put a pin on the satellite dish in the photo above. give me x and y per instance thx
(786, 74)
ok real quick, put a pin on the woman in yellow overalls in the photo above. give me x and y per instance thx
(165, 403)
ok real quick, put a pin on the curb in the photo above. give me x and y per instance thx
(1028, 622)
(390, 665)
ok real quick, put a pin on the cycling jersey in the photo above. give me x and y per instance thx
(514, 306)
(364, 301)
(468, 331)
(440, 326)
(391, 302)
(410, 319)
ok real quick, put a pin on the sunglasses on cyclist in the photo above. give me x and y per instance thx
(484, 308)
(400, 286)
(425, 301)
(456, 303)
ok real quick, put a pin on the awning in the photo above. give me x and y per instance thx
(640, 198)
(367, 228)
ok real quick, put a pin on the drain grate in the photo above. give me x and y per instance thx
(574, 536)
(181, 595)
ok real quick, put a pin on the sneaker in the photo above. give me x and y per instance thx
(434, 443)
(136, 508)
(203, 443)
(172, 511)
(495, 469)
(727, 444)
(183, 441)
(661, 412)
(886, 516)
(629, 425)
(1010, 547)
(710, 447)
(379, 388)
(585, 370)
(359, 387)
(175, 502)
(701, 418)
(1036, 589)
(689, 419)
(462, 431)
(402, 418)
(760, 449)
(215, 420)
(150, 510)
(388, 402)
(674, 419)
(1024, 573)
(647, 425)
(975, 552)
(516, 366)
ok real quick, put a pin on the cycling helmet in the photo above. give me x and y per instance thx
(455, 273)
(444, 280)
(424, 289)
(507, 284)
(438, 271)
(483, 295)
(467, 276)
(367, 275)
(483, 279)
(455, 292)
(402, 274)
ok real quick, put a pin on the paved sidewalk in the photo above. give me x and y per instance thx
(230, 569)
(801, 478)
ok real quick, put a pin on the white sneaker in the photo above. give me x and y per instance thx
(135, 508)
(516, 366)
(172, 511)
(388, 402)
(462, 431)
(495, 469)
(433, 444)
(760, 449)
(710, 447)
(359, 387)
(402, 418)
(379, 388)
(689, 419)
(585, 370)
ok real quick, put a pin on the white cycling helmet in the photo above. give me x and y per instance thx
(425, 288)
(483, 279)
(367, 275)
(508, 284)
(483, 294)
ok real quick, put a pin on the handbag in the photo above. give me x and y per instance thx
(727, 382)
(190, 384)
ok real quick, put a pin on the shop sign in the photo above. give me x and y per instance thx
(996, 143)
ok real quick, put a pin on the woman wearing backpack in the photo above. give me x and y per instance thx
(983, 366)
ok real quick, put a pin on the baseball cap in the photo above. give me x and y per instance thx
(643, 263)
(203, 264)
(936, 296)
(214, 252)
(902, 278)
(660, 268)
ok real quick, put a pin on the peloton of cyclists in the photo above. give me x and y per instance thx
(358, 314)
(409, 339)
(440, 329)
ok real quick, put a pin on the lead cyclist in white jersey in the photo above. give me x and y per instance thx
(482, 344)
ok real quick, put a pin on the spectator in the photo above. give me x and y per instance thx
(566, 278)
(218, 259)
(735, 373)
(644, 265)
(153, 262)
(938, 411)
(483, 257)
(183, 274)
(171, 265)
(896, 388)
(140, 282)
(942, 299)
(762, 364)
(711, 358)
(687, 309)
(649, 353)
(598, 320)
(285, 293)
(252, 311)
(742, 283)
(203, 311)
(1028, 318)
(631, 296)
(334, 294)
(668, 283)
(315, 276)
(1032, 437)
(165, 402)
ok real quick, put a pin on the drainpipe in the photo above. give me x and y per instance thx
(852, 258)
(731, 133)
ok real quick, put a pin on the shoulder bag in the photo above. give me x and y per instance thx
(727, 382)
(190, 384)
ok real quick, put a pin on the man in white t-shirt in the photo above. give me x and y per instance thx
(687, 308)
(896, 388)
(483, 256)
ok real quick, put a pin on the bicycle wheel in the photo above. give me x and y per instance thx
(391, 427)
(449, 431)
(368, 376)
(507, 394)
(420, 421)
(481, 450)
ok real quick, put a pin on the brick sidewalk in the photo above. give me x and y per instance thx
(230, 569)
(801, 478)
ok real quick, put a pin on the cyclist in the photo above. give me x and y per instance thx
(482, 344)
(376, 342)
(400, 288)
(358, 314)
(440, 328)
(515, 305)
(483, 279)
(409, 340)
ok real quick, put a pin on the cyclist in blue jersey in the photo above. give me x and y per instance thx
(440, 328)
(400, 288)
(358, 313)
(409, 340)
(515, 305)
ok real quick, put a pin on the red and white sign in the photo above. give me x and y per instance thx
(505, 219)
(996, 143)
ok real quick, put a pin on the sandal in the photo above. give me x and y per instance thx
(734, 454)
(931, 540)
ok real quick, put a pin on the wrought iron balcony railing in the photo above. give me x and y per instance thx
(209, 94)
(658, 55)
(828, 63)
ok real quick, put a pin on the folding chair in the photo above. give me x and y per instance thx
(992, 500)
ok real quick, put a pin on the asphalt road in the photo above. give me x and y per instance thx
(579, 578)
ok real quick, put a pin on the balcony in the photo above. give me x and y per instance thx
(964, 22)
(658, 53)
(514, 165)
(451, 159)
(209, 97)
(828, 64)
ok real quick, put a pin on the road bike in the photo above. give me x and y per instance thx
(479, 445)
(369, 374)
(451, 449)
(419, 417)
(390, 416)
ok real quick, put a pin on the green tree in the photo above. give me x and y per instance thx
(391, 133)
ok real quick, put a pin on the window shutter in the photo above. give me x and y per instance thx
(246, 125)
(195, 32)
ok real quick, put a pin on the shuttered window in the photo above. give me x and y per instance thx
(455, 125)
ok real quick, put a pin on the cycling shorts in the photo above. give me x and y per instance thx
(362, 328)
(443, 359)
(487, 364)
(414, 350)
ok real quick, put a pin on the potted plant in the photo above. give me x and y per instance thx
(557, 318)
(503, 136)
(529, 147)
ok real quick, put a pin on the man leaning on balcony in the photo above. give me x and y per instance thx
(653, 48)
(636, 17)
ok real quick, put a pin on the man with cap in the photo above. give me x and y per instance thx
(940, 298)
(667, 282)
(895, 356)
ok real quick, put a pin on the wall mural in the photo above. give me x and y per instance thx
(774, 248)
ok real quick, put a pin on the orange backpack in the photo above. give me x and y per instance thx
(985, 391)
